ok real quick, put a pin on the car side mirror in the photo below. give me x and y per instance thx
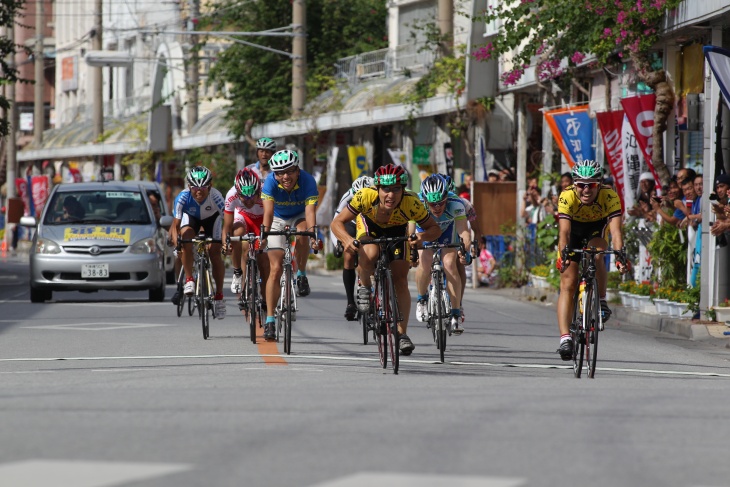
(166, 221)
(28, 221)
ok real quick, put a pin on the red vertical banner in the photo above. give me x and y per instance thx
(39, 189)
(609, 124)
(640, 112)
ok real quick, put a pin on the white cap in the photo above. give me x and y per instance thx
(646, 175)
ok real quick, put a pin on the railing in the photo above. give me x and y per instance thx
(383, 63)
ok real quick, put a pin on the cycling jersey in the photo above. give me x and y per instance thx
(185, 204)
(607, 205)
(344, 201)
(365, 202)
(453, 212)
(288, 205)
(257, 169)
(235, 205)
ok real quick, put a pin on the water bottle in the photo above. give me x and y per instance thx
(581, 295)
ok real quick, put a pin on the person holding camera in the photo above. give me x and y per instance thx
(647, 190)
(670, 208)
(720, 208)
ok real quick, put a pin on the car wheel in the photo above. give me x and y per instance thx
(158, 294)
(39, 295)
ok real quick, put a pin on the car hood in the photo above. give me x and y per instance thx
(102, 235)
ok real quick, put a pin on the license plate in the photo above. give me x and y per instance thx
(94, 271)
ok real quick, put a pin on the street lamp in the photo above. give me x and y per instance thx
(112, 59)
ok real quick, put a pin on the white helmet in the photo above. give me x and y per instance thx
(361, 182)
(283, 160)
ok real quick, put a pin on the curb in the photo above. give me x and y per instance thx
(685, 328)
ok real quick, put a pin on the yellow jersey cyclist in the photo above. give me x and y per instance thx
(384, 211)
(200, 206)
(587, 212)
(289, 196)
(449, 213)
(265, 148)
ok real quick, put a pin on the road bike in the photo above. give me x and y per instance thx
(251, 301)
(204, 283)
(383, 314)
(439, 304)
(587, 319)
(286, 308)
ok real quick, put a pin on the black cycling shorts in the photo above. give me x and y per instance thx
(583, 232)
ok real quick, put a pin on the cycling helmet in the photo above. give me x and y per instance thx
(283, 160)
(434, 189)
(247, 183)
(389, 175)
(199, 176)
(361, 182)
(449, 183)
(587, 169)
(266, 143)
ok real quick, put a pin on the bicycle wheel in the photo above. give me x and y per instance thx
(576, 328)
(440, 311)
(363, 319)
(287, 309)
(391, 314)
(380, 328)
(251, 291)
(180, 294)
(432, 322)
(203, 297)
(593, 308)
(191, 305)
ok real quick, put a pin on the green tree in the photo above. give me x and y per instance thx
(612, 30)
(259, 81)
(8, 75)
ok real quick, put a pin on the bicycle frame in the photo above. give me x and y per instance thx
(250, 300)
(204, 284)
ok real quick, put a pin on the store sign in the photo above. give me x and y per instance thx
(422, 155)
(26, 122)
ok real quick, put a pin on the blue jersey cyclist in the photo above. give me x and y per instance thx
(449, 213)
(265, 148)
(289, 197)
(200, 207)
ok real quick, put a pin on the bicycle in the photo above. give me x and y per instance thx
(439, 303)
(204, 284)
(587, 319)
(383, 314)
(286, 308)
(251, 301)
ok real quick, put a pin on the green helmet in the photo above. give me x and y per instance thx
(587, 169)
(266, 143)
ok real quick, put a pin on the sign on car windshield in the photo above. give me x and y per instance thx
(113, 233)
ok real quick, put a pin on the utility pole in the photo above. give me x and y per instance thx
(12, 160)
(97, 80)
(299, 60)
(193, 66)
(39, 109)
(521, 109)
(446, 25)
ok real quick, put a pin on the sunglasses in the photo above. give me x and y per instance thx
(288, 172)
(197, 189)
(437, 205)
(586, 185)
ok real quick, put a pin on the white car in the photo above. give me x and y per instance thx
(94, 236)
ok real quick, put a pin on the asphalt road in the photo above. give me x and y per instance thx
(108, 389)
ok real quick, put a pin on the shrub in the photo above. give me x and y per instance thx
(541, 270)
(643, 289)
(614, 280)
(333, 263)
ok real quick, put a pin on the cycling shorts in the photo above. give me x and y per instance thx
(212, 226)
(447, 236)
(368, 228)
(278, 225)
(244, 219)
(583, 232)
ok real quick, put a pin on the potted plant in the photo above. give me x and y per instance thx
(660, 300)
(625, 292)
(612, 284)
(722, 311)
(538, 276)
(643, 296)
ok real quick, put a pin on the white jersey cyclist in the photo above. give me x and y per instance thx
(242, 214)
(189, 211)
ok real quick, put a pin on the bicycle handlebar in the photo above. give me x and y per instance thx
(384, 240)
(293, 233)
(242, 238)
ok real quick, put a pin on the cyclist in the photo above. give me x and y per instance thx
(449, 212)
(348, 272)
(587, 211)
(265, 148)
(200, 206)
(384, 211)
(243, 214)
(290, 199)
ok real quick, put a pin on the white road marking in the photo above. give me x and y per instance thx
(412, 480)
(42, 473)
(294, 358)
(96, 326)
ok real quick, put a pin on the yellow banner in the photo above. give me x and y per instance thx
(115, 234)
(358, 161)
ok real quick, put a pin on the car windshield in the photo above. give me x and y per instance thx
(93, 207)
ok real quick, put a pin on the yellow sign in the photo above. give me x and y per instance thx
(358, 161)
(115, 234)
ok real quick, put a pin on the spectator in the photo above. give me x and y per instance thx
(507, 175)
(493, 176)
(647, 190)
(690, 187)
(463, 192)
(154, 197)
(532, 211)
(486, 265)
(668, 207)
(566, 179)
(721, 209)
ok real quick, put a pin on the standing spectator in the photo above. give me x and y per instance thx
(566, 179)
(668, 207)
(647, 190)
(532, 211)
(493, 176)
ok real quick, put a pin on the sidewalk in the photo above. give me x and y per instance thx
(708, 332)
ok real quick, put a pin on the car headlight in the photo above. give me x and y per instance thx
(144, 246)
(45, 246)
